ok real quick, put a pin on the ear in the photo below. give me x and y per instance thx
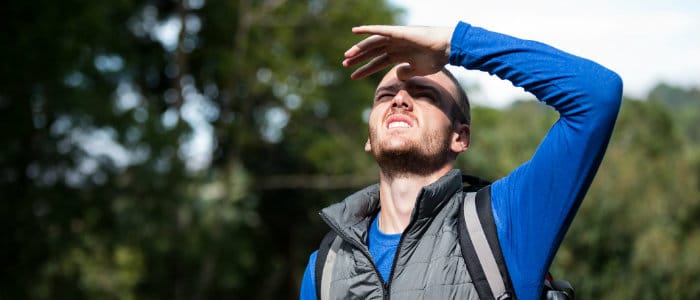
(460, 138)
(368, 146)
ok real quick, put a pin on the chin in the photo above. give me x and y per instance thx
(398, 143)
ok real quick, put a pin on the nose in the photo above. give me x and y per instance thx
(402, 100)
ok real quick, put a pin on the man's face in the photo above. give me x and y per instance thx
(411, 122)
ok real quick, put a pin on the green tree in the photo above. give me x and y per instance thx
(636, 234)
(147, 144)
(182, 149)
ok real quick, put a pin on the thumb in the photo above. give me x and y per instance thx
(405, 71)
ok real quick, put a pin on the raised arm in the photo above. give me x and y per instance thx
(535, 204)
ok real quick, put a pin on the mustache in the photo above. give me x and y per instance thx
(399, 111)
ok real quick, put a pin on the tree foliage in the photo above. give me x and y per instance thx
(142, 142)
(636, 234)
(182, 149)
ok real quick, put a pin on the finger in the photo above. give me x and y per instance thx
(385, 30)
(373, 66)
(363, 56)
(368, 43)
(405, 71)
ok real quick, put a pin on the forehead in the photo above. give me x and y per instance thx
(438, 80)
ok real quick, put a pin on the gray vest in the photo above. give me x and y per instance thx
(428, 263)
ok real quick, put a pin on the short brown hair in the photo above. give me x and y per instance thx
(463, 100)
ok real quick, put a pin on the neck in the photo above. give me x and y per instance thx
(398, 194)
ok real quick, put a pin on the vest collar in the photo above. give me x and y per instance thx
(352, 216)
(433, 196)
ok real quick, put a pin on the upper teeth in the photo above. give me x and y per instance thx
(398, 124)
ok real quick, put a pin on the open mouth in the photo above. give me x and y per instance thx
(399, 121)
(398, 125)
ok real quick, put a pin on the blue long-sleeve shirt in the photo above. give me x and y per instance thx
(533, 206)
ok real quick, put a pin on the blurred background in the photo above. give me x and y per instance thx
(181, 149)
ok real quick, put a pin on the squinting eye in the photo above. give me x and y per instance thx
(383, 97)
(426, 96)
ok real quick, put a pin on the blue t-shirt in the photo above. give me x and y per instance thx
(533, 206)
(382, 247)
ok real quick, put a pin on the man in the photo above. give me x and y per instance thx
(398, 238)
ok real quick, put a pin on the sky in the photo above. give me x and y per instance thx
(646, 42)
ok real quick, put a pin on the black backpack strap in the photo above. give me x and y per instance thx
(474, 182)
(480, 247)
(325, 259)
(557, 289)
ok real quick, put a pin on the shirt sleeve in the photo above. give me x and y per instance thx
(533, 206)
(308, 283)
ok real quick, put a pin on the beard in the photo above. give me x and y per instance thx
(413, 157)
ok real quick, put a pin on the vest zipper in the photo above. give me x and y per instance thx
(365, 252)
(387, 287)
